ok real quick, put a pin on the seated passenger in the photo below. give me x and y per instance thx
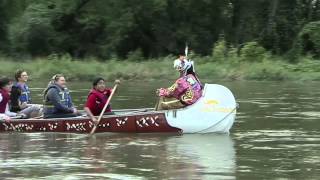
(185, 91)
(5, 88)
(97, 99)
(57, 99)
(20, 97)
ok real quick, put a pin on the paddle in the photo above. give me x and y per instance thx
(104, 109)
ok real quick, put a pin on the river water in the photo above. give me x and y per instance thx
(276, 136)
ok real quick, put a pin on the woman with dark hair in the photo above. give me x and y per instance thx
(5, 89)
(97, 98)
(185, 91)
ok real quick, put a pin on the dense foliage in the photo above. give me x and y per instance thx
(155, 28)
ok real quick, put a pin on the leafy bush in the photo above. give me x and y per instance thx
(136, 55)
(309, 39)
(266, 70)
(219, 50)
(252, 52)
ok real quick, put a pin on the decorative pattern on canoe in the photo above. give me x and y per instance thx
(148, 122)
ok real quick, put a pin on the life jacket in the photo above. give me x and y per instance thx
(25, 92)
(5, 99)
(65, 99)
(101, 100)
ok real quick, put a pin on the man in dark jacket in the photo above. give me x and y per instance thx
(57, 99)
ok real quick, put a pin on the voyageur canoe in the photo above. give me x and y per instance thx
(214, 112)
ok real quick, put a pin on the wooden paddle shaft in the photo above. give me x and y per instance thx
(104, 109)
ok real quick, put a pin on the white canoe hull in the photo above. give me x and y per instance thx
(214, 112)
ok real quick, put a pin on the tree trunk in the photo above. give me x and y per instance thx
(272, 16)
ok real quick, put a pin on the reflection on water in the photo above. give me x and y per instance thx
(117, 156)
(277, 130)
(276, 136)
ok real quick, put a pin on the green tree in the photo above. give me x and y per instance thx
(151, 27)
(309, 39)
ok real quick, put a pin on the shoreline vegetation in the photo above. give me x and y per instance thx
(84, 28)
(267, 68)
(228, 40)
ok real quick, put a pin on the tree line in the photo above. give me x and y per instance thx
(155, 28)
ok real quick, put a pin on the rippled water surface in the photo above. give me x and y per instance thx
(276, 136)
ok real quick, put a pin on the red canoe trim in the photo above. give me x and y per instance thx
(148, 122)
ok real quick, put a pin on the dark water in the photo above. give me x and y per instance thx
(276, 136)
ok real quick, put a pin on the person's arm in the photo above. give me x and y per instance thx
(118, 82)
(70, 101)
(90, 105)
(9, 113)
(74, 109)
(108, 92)
(3, 116)
(89, 113)
(176, 88)
(167, 92)
(55, 99)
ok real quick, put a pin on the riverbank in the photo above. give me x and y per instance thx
(267, 69)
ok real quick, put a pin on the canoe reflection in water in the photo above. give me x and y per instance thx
(119, 156)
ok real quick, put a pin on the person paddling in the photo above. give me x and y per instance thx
(97, 98)
(185, 91)
(57, 99)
